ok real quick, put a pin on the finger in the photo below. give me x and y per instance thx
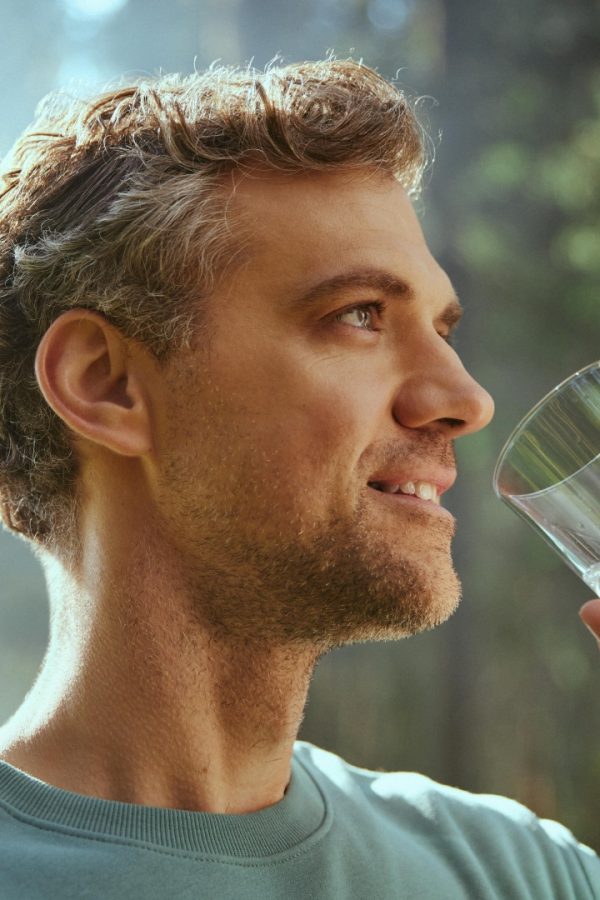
(590, 616)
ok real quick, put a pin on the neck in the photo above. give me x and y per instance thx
(136, 702)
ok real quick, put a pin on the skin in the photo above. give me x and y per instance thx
(229, 535)
(590, 616)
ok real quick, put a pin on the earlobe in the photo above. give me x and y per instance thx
(93, 378)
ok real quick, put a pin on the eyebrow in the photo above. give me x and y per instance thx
(377, 280)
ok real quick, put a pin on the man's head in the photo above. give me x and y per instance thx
(120, 205)
(329, 380)
(268, 337)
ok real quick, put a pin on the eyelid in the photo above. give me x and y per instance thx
(450, 338)
(379, 306)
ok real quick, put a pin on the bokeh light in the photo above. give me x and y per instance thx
(92, 9)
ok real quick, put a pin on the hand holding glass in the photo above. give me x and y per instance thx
(549, 471)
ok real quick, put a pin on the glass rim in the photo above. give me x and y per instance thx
(527, 418)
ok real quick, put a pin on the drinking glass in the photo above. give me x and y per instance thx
(549, 471)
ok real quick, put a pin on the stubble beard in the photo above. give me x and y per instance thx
(319, 584)
(261, 567)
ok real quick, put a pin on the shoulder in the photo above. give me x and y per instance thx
(487, 827)
(438, 803)
(435, 801)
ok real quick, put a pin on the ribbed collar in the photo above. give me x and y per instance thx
(301, 813)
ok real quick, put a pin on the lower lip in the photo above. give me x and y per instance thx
(411, 500)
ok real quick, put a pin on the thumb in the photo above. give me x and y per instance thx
(590, 616)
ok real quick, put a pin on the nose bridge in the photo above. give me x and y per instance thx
(440, 393)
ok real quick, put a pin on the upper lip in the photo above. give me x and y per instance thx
(443, 479)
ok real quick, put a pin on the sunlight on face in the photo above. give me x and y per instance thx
(328, 384)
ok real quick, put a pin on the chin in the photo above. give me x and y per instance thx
(391, 608)
(432, 609)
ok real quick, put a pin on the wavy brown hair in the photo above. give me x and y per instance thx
(118, 204)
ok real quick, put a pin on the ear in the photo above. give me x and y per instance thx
(97, 382)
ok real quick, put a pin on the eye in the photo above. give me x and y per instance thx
(450, 338)
(363, 315)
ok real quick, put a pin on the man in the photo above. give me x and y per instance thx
(228, 402)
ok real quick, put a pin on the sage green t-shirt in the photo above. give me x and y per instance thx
(339, 833)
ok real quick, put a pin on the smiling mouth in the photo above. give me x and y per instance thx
(419, 490)
(424, 499)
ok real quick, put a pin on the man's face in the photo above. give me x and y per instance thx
(326, 382)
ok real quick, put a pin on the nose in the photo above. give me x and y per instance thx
(440, 395)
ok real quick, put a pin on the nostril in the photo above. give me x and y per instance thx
(453, 423)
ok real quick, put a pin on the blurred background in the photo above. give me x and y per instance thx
(505, 697)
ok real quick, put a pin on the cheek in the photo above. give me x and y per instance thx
(313, 424)
(297, 417)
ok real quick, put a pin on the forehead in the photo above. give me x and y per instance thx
(311, 226)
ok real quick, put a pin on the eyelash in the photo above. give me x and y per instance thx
(379, 308)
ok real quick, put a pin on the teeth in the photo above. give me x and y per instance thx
(423, 489)
(426, 491)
